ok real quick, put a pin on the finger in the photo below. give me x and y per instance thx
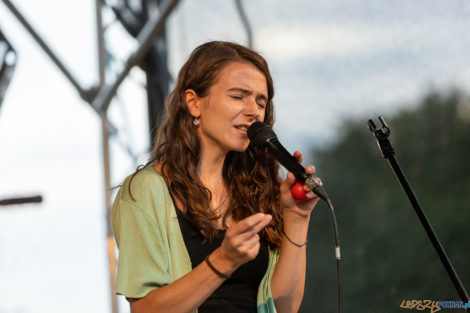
(290, 179)
(253, 232)
(313, 198)
(298, 155)
(249, 222)
(310, 195)
(258, 227)
(251, 248)
(252, 242)
(310, 169)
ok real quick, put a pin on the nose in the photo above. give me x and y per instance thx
(252, 110)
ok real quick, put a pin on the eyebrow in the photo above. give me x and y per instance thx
(249, 92)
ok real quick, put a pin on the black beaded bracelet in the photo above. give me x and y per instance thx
(220, 274)
(295, 244)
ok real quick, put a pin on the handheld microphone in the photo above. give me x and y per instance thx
(262, 136)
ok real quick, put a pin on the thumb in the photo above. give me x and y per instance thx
(290, 179)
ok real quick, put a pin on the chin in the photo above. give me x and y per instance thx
(240, 148)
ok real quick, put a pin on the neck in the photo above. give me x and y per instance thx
(210, 168)
(210, 172)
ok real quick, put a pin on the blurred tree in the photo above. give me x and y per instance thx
(386, 255)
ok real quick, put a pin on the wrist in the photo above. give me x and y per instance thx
(300, 244)
(295, 227)
(215, 270)
(222, 262)
(296, 217)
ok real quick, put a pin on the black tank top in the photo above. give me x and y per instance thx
(238, 293)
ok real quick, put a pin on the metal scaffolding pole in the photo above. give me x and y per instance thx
(246, 22)
(145, 39)
(110, 243)
(100, 42)
(100, 96)
(101, 104)
(84, 94)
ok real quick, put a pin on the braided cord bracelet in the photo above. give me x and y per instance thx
(295, 244)
(212, 267)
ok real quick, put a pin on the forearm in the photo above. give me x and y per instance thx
(288, 281)
(240, 245)
(187, 293)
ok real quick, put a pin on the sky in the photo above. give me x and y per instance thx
(330, 60)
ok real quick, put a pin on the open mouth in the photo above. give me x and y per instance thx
(243, 128)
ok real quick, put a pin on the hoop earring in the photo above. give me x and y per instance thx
(196, 122)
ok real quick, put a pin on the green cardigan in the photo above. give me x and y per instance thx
(152, 252)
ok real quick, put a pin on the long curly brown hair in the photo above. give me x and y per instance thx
(252, 177)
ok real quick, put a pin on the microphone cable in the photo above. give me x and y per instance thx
(263, 137)
(337, 251)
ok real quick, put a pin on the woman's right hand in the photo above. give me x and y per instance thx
(241, 243)
(186, 294)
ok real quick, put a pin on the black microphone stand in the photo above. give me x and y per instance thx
(387, 150)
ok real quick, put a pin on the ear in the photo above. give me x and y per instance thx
(193, 102)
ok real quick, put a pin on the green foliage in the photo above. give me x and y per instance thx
(386, 255)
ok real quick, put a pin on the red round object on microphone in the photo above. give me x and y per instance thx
(298, 192)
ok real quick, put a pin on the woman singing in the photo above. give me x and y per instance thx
(208, 225)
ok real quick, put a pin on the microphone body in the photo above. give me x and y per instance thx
(262, 136)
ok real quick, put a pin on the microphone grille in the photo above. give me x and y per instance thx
(259, 133)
